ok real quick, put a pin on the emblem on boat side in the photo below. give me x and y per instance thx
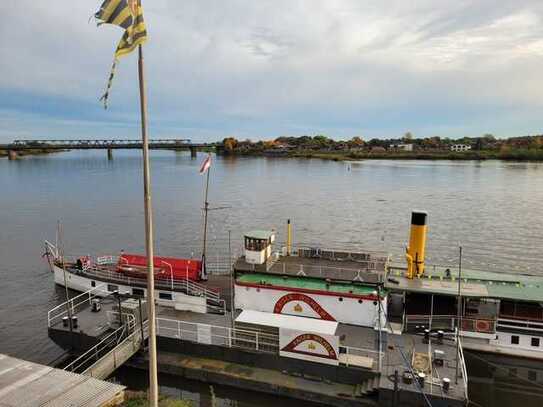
(294, 346)
(299, 297)
(298, 308)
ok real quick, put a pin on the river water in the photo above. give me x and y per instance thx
(492, 209)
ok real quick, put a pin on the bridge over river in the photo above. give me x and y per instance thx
(109, 145)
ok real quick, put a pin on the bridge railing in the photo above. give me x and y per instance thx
(100, 142)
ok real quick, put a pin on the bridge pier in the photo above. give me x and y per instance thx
(12, 155)
(109, 154)
(193, 152)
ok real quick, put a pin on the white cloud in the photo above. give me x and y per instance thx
(274, 67)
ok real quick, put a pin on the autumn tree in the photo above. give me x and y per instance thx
(230, 144)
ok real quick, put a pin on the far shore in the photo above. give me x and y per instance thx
(514, 155)
(37, 151)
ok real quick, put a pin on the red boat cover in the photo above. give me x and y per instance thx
(180, 268)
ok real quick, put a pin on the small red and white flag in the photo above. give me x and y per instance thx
(206, 164)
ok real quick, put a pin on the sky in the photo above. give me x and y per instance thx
(264, 69)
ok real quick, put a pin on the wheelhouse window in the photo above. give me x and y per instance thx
(535, 342)
(165, 296)
(514, 340)
(256, 244)
(93, 283)
(112, 287)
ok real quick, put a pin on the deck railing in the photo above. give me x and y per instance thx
(75, 304)
(463, 368)
(367, 260)
(520, 324)
(103, 347)
(184, 285)
(239, 338)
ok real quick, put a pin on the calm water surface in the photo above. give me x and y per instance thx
(493, 209)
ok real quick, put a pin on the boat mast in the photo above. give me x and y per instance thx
(458, 313)
(206, 209)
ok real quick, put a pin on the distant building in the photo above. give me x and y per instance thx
(404, 147)
(460, 147)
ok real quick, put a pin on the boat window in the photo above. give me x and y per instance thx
(535, 341)
(93, 283)
(255, 244)
(138, 292)
(514, 340)
(165, 296)
(112, 287)
(532, 375)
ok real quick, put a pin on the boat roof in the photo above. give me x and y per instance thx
(260, 234)
(475, 283)
(307, 283)
(288, 322)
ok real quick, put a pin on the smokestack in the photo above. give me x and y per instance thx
(417, 244)
(289, 237)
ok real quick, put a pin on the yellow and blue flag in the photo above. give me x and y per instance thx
(127, 14)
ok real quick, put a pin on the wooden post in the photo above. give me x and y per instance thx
(12, 155)
(153, 376)
(193, 152)
(109, 154)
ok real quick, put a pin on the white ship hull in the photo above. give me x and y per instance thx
(178, 300)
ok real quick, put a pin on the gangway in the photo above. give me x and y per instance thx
(113, 351)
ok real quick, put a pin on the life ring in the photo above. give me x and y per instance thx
(482, 325)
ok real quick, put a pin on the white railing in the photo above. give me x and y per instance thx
(239, 338)
(185, 285)
(520, 324)
(370, 258)
(105, 345)
(75, 304)
(51, 249)
(463, 368)
(355, 274)
(217, 335)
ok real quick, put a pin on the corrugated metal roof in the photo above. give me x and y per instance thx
(259, 234)
(27, 384)
(307, 283)
(475, 283)
(288, 322)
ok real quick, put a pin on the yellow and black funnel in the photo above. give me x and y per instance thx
(417, 244)
(289, 237)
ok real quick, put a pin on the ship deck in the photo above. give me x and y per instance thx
(346, 268)
(360, 343)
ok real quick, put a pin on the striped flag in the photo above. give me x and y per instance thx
(206, 164)
(127, 14)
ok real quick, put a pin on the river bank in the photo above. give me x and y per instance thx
(23, 153)
(514, 155)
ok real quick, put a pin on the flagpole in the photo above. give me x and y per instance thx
(153, 378)
(206, 209)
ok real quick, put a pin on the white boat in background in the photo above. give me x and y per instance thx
(184, 291)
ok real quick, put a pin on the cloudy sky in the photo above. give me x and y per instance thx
(261, 69)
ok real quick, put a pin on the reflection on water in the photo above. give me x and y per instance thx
(504, 381)
(493, 209)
